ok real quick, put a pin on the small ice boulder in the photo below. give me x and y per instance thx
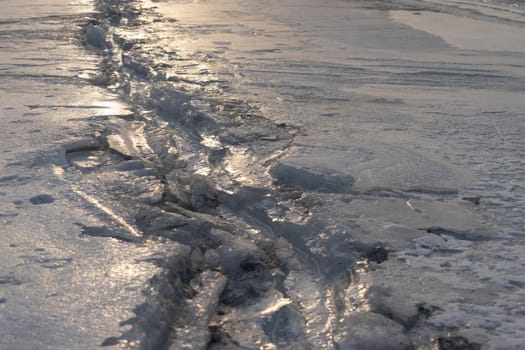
(372, 331)
(294, 177)
(170, 101)
(96, 36)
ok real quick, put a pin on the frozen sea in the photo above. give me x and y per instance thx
(237, 174)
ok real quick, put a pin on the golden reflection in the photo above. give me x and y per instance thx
(134, 233)
(58, 172)
(211, 141)
(126, 270)
(242, 166)
(356, 293)
(113, 106)
(279, 303)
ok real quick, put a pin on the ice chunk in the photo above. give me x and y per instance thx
(373, 331)
(96, 36)
(312, 180)
(246, 268)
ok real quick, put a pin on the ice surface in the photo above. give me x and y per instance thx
(465, 33)
(231, 174)
(410, 115)
(60, 288)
